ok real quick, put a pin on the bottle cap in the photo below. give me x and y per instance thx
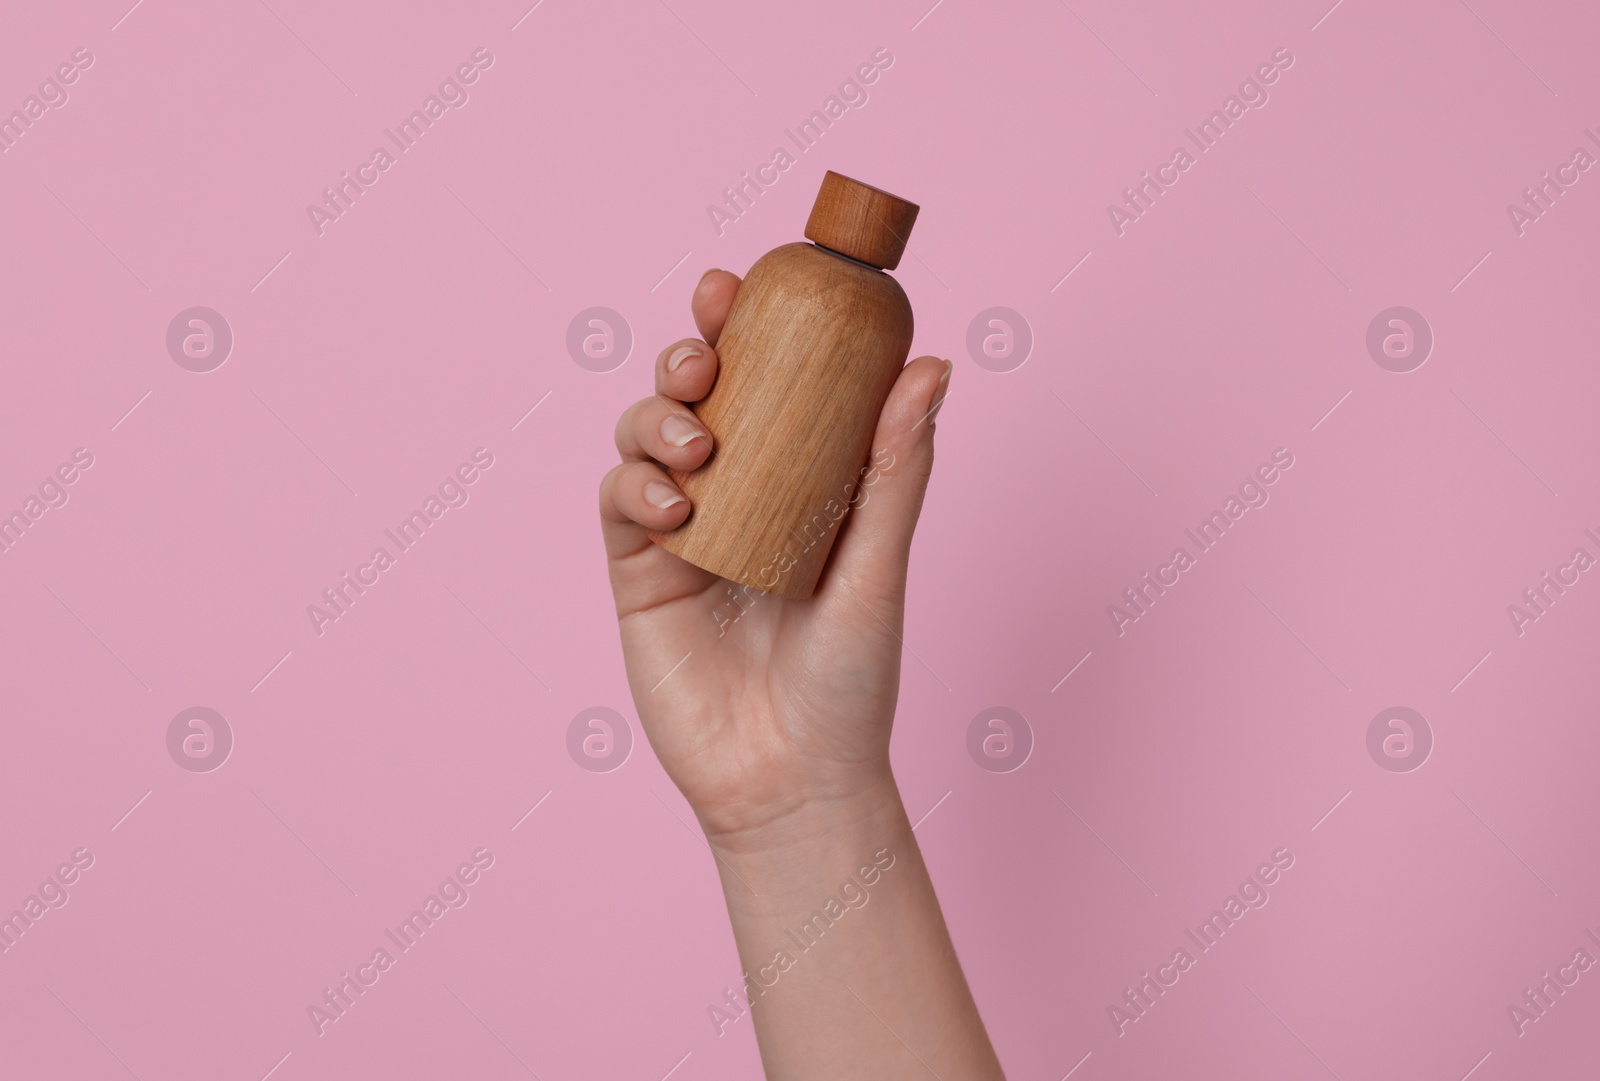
(860, 221)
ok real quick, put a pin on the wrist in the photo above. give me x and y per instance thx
(749, 819)
(821, 832)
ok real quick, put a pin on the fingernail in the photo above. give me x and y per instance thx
(940, 391)
(679, 430)
(661, 495)
(681, 354)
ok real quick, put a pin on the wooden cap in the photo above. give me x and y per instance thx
(858, 220)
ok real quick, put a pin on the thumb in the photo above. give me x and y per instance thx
(870, 557)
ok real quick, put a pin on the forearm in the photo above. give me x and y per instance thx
(848, 965)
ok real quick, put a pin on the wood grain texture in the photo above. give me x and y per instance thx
(810, 350)
(861, 221)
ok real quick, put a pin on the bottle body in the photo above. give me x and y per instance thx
(810, 350)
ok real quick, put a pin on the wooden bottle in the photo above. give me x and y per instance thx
(816, 338)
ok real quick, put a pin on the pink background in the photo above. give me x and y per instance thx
(369, 361)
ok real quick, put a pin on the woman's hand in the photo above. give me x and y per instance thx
(760, 706)
(772, 717)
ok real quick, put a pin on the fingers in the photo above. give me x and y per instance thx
(637, 495)
(634, 497)
(712, 299)
(873, 552)
(685, 370)
(642, 493)
(664, 430)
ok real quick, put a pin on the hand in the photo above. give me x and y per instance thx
(778, 705)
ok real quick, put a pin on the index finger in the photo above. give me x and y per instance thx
(712, 299)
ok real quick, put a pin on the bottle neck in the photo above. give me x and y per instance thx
(846, 258)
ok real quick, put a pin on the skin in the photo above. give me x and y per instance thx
(776, 731)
